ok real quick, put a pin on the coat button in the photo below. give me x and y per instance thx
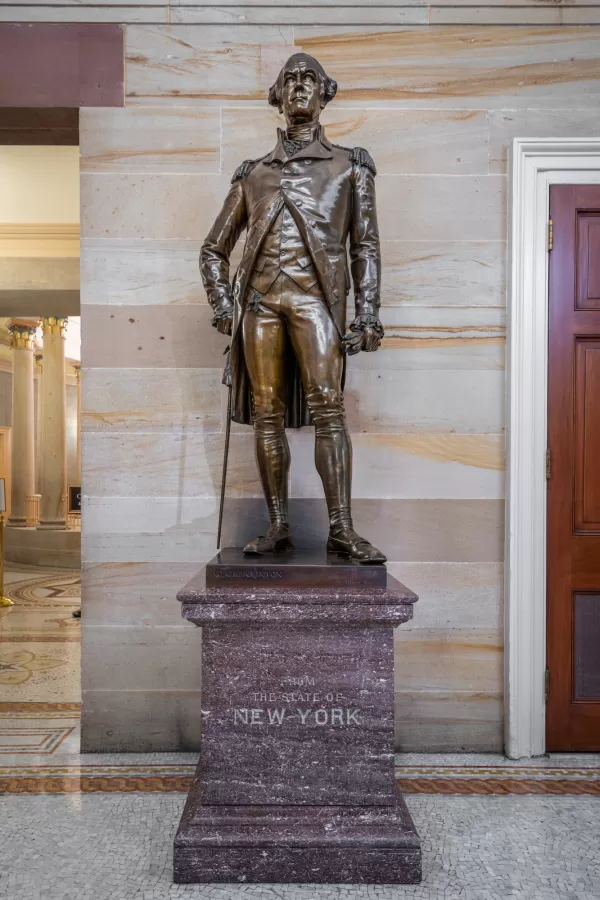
(312, 223)
(298, 202)
(336, 293)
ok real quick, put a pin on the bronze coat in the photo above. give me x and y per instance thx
(330, 192)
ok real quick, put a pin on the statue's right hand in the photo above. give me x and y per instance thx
(225, 325)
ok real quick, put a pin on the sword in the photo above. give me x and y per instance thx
(227, 381)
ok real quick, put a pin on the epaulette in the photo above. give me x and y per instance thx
(363, 158)
(245, 168)
(359, 156)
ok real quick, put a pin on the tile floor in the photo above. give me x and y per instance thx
(101, 826)
(119, 847)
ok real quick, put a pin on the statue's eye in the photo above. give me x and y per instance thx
(308, 76)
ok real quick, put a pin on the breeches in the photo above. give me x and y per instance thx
(317, 347)
(316, 344)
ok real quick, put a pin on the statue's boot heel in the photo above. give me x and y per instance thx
(352, 545)
(278, 541)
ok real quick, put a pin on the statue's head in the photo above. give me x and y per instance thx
(302, 89)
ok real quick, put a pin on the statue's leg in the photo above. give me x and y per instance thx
(263, 334)
(318, 349)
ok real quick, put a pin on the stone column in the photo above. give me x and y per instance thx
(23, 448)
(39, 360)
(77, 367)
(53, 481)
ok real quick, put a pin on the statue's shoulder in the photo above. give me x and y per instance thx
(245, 168)
(359, 156)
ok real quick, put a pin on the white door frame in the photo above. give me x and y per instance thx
(536, 164)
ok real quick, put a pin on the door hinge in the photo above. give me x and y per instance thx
(548, 465)
(550, 235)
(546, 684)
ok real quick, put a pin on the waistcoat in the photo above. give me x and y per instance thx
(283, 250)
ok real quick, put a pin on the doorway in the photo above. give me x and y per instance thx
(536, 166)
(573, 504)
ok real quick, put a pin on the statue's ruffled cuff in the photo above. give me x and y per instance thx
(368, 320)
(222, 306)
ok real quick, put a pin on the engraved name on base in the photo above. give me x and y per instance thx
(311, 708)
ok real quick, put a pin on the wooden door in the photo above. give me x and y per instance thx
(573, 537)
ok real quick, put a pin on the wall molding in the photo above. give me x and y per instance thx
(39, 239)
(535, 165)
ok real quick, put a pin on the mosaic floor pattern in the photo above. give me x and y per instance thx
(39, 640)
(119, 847)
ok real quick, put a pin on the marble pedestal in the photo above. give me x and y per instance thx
(296, 775)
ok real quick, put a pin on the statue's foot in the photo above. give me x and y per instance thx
(277, 539)
(346, 542)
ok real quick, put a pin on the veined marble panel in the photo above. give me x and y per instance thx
(443, 273)
(192, 63)
(401, 141)
(80, 13)
(438, 338)
(294, 15)
(158, 658)
(506, 124)
(495, 15)
(469, 66)
(155, 206)
(166, 140)
(141, 272)
(454, 595)
(406, 530)
(177, 463)
(410, 466)
(424, 401)
(171, 529)
(417, 273)
(136, 593)
(456, 659)
(442, 207)
(449, 722)
(433, 207)
(151, 400)
(149, 529)
(134, 337)
(119, 720)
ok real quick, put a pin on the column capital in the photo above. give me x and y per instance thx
(55, 325)
(22, 333)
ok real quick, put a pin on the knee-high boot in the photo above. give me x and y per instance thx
(273, 456)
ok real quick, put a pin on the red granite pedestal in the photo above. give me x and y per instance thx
(296, 775)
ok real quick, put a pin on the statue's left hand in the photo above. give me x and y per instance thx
(362, 337)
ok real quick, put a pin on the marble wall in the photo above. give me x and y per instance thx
(437, 106)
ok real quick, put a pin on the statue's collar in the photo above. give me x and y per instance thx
(320, 148)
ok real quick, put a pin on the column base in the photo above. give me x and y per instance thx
(295, 844)
(51, 525)
(16, 522)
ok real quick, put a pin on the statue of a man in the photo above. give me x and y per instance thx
(301, 205)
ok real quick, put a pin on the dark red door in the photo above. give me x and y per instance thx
(573, 544)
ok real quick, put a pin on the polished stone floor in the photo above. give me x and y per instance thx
(118, 847)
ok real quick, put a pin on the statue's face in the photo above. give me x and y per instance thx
(301, 93)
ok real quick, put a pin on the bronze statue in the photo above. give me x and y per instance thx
(300, 204)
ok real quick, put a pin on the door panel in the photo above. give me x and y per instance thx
(573, 538)
(587, 435)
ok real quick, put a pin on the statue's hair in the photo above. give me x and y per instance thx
(328, 85)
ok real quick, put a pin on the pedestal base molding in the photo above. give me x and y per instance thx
(291, 844)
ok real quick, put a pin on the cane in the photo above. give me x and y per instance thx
(227, 381)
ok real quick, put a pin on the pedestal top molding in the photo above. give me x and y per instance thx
(203, 605)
